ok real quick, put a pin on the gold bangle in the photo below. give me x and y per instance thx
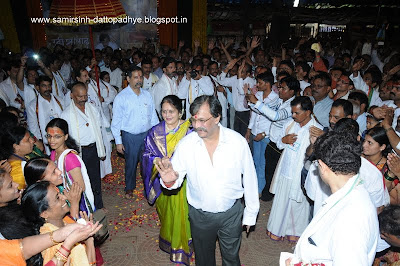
(21, 246)
(60, 257)
(52, 238)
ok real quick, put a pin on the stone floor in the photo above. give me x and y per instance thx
(134, 228)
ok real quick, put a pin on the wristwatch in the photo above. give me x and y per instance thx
(263, 134)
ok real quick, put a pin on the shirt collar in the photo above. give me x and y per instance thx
(222, 136)
(338, 195)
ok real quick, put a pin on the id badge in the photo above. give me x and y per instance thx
(295, 146)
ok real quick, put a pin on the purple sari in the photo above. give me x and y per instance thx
(155, 145)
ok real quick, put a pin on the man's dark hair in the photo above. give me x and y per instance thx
(42, 78)
(304, 102)
(103, 74)
(345, 104)
(340, 151)
(133, 68)
(206, 56)
(305, 66)
(196, 63)
(138, 53)
(288, 63)
(338, 69)
(325, 77)
(146, 62)
(212, 63)
(266, 77)
(347, 125)
(360, 97)
(167, 61)
(282, 73)
(292, 83)
(389, 220)
(78, 72)
(376, 76)
(213, 102)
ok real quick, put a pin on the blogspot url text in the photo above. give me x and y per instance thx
(107, 20)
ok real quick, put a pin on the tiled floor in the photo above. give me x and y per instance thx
(134, 228)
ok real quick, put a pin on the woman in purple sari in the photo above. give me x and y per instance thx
(172, 206)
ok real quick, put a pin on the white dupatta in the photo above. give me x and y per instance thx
(88, 188)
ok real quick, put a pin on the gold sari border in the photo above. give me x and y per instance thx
(176, 255)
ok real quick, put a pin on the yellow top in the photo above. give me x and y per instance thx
(17, 173)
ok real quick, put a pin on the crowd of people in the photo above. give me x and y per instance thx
(313, 126)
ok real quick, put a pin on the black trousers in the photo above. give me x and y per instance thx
(241, 122)
(206, 227)
(92, 162)
(272, 155)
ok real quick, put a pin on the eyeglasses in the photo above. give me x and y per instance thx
(201, 121)
(48, 136)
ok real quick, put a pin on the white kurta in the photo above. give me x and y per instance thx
(11, 90)
(345, 230)
(290, 209)
(163, 87)
(39, 113)
(222, 99)
(191, 89)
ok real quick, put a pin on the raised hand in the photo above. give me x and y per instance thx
(23, 60)
(255, 42)
(357, 66)
(166, 171)
(393, 161)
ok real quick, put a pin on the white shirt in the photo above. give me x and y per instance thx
(345, 231)
(359, 84)
(222, 99)
(303, 85)
(163, 87)
(59, 85)
(259, 123)
(237, 95)
(46, 112)
(116, 78)
(149, 82)
(84, 125)
(30, 92)
(214, 186)
(318, 191)
(239, 98)
(11, 90)
(66, 71)
(191, 89)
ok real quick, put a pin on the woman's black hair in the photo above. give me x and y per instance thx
(34, 170)
(379, 135)
(14, 225)
(8, 138)
(174, 101)
(34, 202)
(63, 125)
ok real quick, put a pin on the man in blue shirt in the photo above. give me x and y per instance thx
(133, 115)
(320, 91)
